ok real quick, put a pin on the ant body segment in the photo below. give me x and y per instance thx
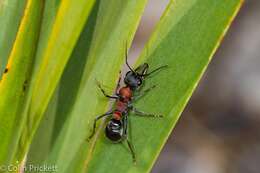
(116, 129)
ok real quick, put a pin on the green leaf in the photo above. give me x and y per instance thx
(49, 13)
(64, 96)
(41, 145)
(53, 53)
(115, 25)
(185, 39)
(72, 75)
(67, 26)
(82, 42)
(14, 83)
(10, 17)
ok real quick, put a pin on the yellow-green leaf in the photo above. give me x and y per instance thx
(14, 84)
(10, 17)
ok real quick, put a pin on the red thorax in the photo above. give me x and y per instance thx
(121, 104)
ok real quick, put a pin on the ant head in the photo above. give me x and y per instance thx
(114, 130)
(135, 78)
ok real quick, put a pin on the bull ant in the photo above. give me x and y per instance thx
(116, 128)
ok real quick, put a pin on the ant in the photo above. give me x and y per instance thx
(116, 129)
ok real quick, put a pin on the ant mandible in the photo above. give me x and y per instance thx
(116, 128)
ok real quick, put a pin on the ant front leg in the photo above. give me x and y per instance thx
(142, 93)
(144, 114)
(129, 144)
(118, 82)
(104, 93)
(95, 123)
(155, 70)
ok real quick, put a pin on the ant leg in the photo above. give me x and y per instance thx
(104, 93)
(129, 144)
(155, 70)
(140, 94)
(118, 82)
(95, 122)
(131, 149)
(126, 60)
(144, 114)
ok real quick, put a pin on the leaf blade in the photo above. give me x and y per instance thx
(114, 27)
(10, 16)
(196, 26)
(62, 33)
(14, 82)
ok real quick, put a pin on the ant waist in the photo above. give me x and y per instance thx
(118, 115)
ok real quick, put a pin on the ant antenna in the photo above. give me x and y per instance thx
(127, 61)
(148, 74)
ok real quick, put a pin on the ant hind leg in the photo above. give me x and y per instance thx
(145, 114)
(95, 123)
(129, 144)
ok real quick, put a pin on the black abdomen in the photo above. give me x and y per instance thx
(114, 130)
